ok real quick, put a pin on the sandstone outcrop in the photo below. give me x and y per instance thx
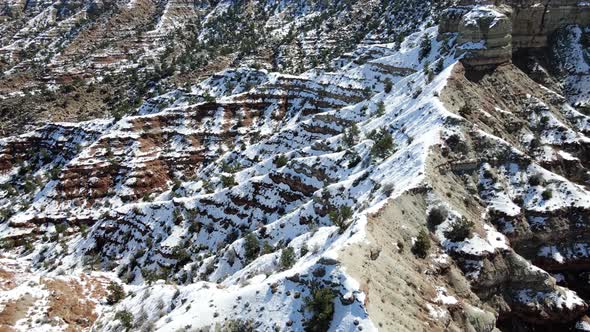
(490, 31)
(533, 21)
(485, 36)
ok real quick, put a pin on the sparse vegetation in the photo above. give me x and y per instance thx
(437, 215)
(266, 248)
(149, 276)
(417, 93)
(126, 319)
(425, 47)
(228, 181)
(388, 188)
(281, 160)
(489, 174)
(428, 72)
(383, 146)
(547, 194)
(380, 108)
(181, 255)
(29, 186)
(536, 180)
(176, 183)
(354, 160)
(340, 217)
(351, 135)
(304, 250)
(115, 293)
(5, 214)
(460, 230)
(7, 244)
(8, 188)
(585, 39)
(465, 110)
(54, 173)
(251, 247)
(388, 85)
(422, 244)
(61, 228)
(227, 168)
(439, 66)
(287, 258)
(238, 326)
(321, 304)
(208, 98)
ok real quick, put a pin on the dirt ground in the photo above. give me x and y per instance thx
(67, 302)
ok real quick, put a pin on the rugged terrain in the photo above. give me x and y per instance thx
(432, 175)
(83, 59)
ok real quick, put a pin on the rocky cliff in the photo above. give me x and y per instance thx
(435, 183)
(534, 21)
(489, 31)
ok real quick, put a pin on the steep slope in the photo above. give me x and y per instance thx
(287, 203)
(79, 60)
(263, 201)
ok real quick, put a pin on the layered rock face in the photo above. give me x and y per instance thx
(485, 37)
(409, 191)
(533, 21)
(489, 31)
(89, 49)
(519, 111)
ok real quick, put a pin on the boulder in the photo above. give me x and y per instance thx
(485, 37)
(478, 320)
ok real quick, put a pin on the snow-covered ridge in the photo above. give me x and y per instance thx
(268, 200)
(230, 203)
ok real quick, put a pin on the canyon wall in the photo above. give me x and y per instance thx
(489, 31)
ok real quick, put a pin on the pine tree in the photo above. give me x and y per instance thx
(251, 246)
(287, 258)
(321, 304)
(422, 244)
(425, 47)
(351, 135)
(388, 85)
(383, 146)
(380, 108)
(116, 293)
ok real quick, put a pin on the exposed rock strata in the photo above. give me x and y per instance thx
(488, 31)
(485, 37)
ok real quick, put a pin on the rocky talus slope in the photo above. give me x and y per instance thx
(437, 184)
